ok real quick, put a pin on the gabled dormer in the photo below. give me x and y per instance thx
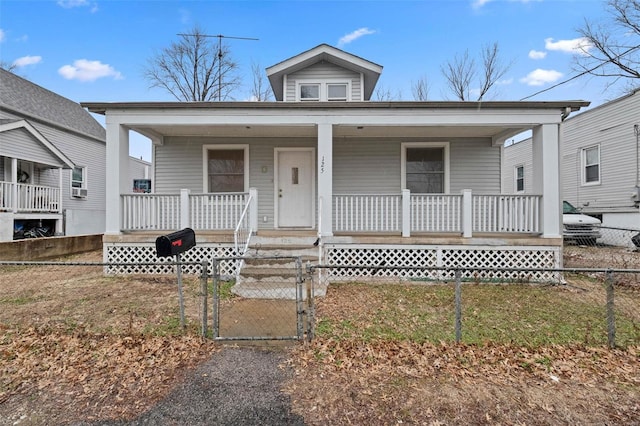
(324, 74)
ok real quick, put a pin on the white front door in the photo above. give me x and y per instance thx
(295, 188)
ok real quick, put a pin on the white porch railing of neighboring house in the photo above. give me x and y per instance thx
(27, 198)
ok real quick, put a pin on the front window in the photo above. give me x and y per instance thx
(78, 177)
(519, 178)
(591, 165)
(425, 168)
(309, 92)
(226, 169)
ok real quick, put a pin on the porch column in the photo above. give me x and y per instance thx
(59, 200)
(325, 179)
(546, 177)
(14, 185)
(117, 157)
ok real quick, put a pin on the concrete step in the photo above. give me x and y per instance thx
(270, 272)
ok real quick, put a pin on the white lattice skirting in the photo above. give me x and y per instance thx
(140, 258)
(414, 263)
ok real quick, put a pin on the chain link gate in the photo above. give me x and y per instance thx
(269, 298)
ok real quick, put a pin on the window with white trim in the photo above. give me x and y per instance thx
(519, 178)
(79, 177)
(426, 168)
(226, 168)
(327, 91)
(309, 92)
(337, 92)
(591, 165)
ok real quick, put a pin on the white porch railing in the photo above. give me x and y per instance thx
(243, 230)
(23, 197)
(367, 213)
(436, 213)
(150, 212)
(216, 211)
(507, 213)
(201, 212)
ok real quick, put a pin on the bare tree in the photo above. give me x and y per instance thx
(420, 89)
(492, 67)
(462, 71)
(7, 66)
(260, 91)
(383, 94)
(612, 49)
(194, 68)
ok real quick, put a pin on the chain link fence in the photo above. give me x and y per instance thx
(280, 298)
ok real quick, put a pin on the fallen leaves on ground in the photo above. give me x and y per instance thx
(380, 382)
(90, 376)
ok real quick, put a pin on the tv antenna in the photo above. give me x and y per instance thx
(220, 37)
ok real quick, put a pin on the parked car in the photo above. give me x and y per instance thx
(579, 227)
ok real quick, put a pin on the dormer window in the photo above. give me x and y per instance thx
(309, 92)
(323, 91)
(337, 92)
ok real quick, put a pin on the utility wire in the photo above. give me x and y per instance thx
(589, 71)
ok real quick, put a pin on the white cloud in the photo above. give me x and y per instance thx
(540, 77)
(505, 82)
(2, 35)
(578, 45)
(84, 70)
(536, 54)
(27, 60)
(355, 35)
(476, 4)
(68, 4)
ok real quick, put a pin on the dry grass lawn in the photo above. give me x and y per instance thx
(75, 345)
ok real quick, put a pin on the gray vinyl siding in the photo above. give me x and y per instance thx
(81, 150)
(612, 127)
(321, 72)
(138, 169)
(360, 166)
(21, 144)
(518, 154)
(179, 165)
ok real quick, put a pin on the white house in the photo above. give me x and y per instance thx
(52, 167)
(599, 157)
(396, 182)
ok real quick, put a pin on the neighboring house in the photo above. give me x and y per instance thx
(140, 175)
(599, 155)
(52, 162)
(394, 183)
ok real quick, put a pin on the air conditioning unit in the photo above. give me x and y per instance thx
(79, 192)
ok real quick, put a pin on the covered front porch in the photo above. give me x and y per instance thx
(408, 175)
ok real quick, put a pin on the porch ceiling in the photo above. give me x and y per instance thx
(339, 131)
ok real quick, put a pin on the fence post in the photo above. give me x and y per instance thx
(185, 214)
(180, 296)
(611, 319)
(203, 285)
(310, 303)
(406, 213)
(216, 298)
(299, 297)
(458, 302)
(467, 213)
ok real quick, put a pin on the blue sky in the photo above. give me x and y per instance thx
(94, 51)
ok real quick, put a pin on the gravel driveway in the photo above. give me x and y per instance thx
(237, 386)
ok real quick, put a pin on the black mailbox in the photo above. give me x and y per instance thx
(175, 243)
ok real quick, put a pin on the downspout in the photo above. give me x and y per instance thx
(636, 193)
